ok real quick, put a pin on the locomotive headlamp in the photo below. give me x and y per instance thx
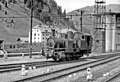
(52, 51)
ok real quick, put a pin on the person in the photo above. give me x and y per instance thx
(5, 54)
(42, 52)
(6, 4)
(5, 12)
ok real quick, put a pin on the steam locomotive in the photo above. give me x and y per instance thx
(69, 46)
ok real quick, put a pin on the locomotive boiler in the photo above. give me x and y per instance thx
(69, 46)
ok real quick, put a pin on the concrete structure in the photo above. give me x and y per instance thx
(112, 27)
(99, 23)
(108, 35)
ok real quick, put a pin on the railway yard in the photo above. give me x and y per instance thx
(104, 68)
(42, 42)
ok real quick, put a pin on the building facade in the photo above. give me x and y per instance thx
(41, 32)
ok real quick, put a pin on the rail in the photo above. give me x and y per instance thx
(61, 72)
(18, 54)
(112, 77)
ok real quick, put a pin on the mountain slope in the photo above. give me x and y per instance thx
(16, 22)
(11, 31)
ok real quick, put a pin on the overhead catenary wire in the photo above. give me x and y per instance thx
(84, 15)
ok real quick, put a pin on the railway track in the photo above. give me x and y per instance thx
(66, 71)
(113, 78)
(16, 67)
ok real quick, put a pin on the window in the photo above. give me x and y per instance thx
(14, 46)
(10, 46)
(46, 30)
(83, 37)
(118, 20)
(35, 34)
(34, 37)
(118, 33)
(97, 41)
(44, 27)
(88, 40)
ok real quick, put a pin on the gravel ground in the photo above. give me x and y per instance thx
(111, 67)
(11, 76)
(98, 72)
(116, 80)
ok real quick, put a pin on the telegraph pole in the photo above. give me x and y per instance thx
(81, 14)
(31, 29)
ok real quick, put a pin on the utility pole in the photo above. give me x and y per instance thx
(81, 14)
(31, 29)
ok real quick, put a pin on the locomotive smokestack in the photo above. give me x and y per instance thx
(70, 35)
(53, 32)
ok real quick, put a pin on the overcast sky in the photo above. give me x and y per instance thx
(70, 5)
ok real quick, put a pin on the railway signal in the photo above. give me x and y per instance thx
(23, 70)
(89, 74)
(81, 15)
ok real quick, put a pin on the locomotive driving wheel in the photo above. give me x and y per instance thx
(60, 56)
(57, 57)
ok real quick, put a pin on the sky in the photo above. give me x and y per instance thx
(70, 5)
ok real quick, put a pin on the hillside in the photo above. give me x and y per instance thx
(88, 20)
(20, 26)
(15, 18)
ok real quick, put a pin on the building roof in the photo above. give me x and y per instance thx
(66, 30)
(46, 32)
(37, 27)
(23, 39)
(40, 26)
(107, 13)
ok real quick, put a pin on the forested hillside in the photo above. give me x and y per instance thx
(15, 17)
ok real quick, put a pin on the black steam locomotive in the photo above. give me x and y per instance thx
(69, 46)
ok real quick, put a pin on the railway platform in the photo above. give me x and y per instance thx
(35, 58)
(26, 59)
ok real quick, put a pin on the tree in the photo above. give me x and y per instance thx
(12, 1)
(59, 10)
(25, 1)
(37, 12)
(64, 13)
(28, 3)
